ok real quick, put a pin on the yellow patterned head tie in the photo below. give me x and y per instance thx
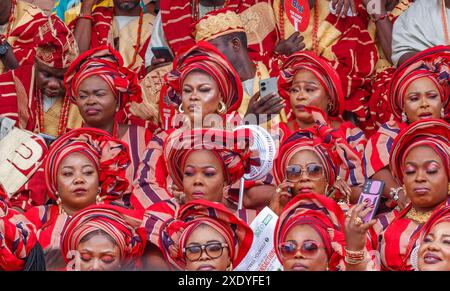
(217, 23)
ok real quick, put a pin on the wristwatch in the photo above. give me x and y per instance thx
(4, 48)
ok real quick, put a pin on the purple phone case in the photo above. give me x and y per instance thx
(372, 193)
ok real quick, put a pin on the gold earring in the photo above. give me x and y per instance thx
(223, 108)
(98, 199)
(180, 108)
(230, 267)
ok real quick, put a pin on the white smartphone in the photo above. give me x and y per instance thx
(268, 86)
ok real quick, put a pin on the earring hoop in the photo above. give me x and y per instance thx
(223, 108)
(180, 108)
(404, 117)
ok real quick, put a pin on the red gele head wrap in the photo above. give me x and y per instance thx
(433, 64)
(205, 57)
(109, 155)
(107, 64)
(55, 44)
(322, 70)
(324, 215)
(121, 224)
(231, 149)
(175, 233)
(434, 133)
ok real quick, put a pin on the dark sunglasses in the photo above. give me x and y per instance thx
(307, 248)
(295, 172)
(213, 250)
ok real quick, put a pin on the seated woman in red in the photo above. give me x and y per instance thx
(205, 236)
(308, 80)
(83, 167)
(207, 92)
(434, 252)
(309, 234)
(311, 160)
(420, 161)
(103, 89)
(103, 238)
(203, 163)
(20, 249)
(420, 89)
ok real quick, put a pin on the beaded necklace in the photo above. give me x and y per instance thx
(315, 39)
(418, 216)
(63, 116)
(11, 18)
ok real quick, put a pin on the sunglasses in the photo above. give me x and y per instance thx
(307, 248)
(295, 172)
(213, 250)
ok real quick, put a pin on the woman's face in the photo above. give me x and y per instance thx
(96, 102)
(99, 253)
(204, 235)
(425, 179)
(305, 184)
(201, 95)
(306, 90)
(434, 252)
(422, 100)
(311, 257)
(203, 177)
(77, 180)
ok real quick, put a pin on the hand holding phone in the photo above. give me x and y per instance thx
(268, 86)
(162, 53)
(371, 194)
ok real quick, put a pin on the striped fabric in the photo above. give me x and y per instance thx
(110, 154)
(178, 21)
(17, 239)
(324, 215)
(175, 232)
(122, 225)
(106, 63)
(432, 63)
(137, 139)
(49, 224)
(434, 133)
(337, 156)
(395, 237)
(152, 178)
(322, 70)
(103, 33)
(379, 147)
(348, 46)
(159, 213)
(230, 148)
(207, 58)
(27, 20)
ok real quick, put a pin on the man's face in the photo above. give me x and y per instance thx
(126, 4)
(226, 48)
(50, 81)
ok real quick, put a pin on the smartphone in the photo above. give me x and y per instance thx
(372, 194)
(162, 53)
(268, 86)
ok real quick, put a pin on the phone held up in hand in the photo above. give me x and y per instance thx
(372, 194)
(268, 86)
(162, 53)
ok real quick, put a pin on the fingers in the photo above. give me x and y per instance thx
(353, 7)
(339, 7)
(345, 8)
(294, 36)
